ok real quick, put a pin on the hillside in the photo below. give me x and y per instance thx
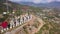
(3, 8)
(11, 6)
(51, 16)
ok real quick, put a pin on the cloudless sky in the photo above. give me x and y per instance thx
(35, 1)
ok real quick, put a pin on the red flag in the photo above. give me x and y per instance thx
(4, 24)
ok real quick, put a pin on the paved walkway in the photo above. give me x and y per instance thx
(17, 30)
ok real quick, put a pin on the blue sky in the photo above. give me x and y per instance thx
(35, 1)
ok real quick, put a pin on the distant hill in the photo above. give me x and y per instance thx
(51, 4)
(3, 7)
(11, 6)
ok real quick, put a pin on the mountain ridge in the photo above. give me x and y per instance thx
(51, 4)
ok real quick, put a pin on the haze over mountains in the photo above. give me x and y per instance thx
(53, 4)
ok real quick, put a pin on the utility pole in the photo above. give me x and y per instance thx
(7, 6)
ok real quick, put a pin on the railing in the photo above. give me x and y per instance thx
(17, 22)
